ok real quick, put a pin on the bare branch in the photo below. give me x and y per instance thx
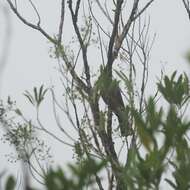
(133, 17)
(104, 11)
(36, 27)
(111, 54)
(73, 73)
(61, 22)
(36, 11)
(187, 7)
(143, 9)
(126, 28)
(83, 46)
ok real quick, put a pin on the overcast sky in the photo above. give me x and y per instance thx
(29, 63)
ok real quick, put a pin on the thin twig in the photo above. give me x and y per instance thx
(36, 27)
(61, 22)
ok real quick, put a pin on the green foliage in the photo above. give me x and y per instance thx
(82, 175)
(149, 125)
(143, 173)
(181, 167)
(174, 128)
(126, 80)
(175, 91)
(146, 172)
(10, 183)
(20, 135)
(37, 97)
(188, 56)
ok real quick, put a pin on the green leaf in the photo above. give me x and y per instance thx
(10, 184)
(29, 97)
(143, 132)
(37, 96)
(175, 91)
(171, 183)
(127, 82)
(17, 111)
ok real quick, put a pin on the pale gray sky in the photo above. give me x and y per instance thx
(29, 63)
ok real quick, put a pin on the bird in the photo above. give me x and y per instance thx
(111, 95)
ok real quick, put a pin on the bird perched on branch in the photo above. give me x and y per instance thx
(111, 94)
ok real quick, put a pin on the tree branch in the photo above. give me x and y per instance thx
(83, 46)
(132, 18)
(111, 54)
(187, 7)
(61, 22)
(36, 27)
